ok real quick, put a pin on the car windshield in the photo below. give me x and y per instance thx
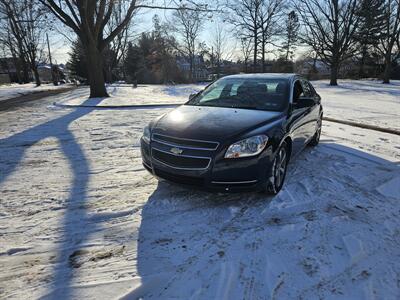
(247, 93)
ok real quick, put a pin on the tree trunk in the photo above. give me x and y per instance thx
(16, 65)
(263, 55)
(17, 70)
(25, 70)
(362, 62)
(108, 74)
(255, 53)
(24, 62)
(334, 74)
(388, 65)
(190, 68)
(36, 75)
(95, 72)
(194, 76)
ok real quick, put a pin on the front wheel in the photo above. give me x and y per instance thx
(278, 172)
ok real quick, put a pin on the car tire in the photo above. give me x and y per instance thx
(277, 174)
(315, 139)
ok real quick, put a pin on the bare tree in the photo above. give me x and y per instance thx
(329, 28)
(88, 19)
(10, 48)
(10, 45)
(246, 47)
(390, 36)
(244, 14)
(270, 14)
(188, 24)
(118, 46)
(26, 22)
(222, 49)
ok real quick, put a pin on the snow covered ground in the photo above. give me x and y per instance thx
(126, 95)
(81, 218)
(363, 101)
(9, 91)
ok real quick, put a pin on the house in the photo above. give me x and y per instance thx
(200, 72)
(45, 72)
(8, 71)
(225, 67)
(313, 68)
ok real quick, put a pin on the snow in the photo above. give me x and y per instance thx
(364, 101)
(390, 188)
(80, 218)
(125, 95)
(352, 100)
(8, 91)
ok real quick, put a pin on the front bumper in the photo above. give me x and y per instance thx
(223, 175)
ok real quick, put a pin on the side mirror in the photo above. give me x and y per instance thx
(318, 98)
(304, 102)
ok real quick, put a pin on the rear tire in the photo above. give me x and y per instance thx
(278, 173)
(315, 140)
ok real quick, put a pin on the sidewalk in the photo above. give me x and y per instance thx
(15, 90)
(6, 104)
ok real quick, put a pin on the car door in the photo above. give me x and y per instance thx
(312, 111)
(297, 121)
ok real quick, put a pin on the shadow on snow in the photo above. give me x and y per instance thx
(172, 240)
(13, 149)
(199, 245)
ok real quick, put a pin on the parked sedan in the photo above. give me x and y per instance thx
(238, 134)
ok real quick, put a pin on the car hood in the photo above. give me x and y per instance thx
(211, 123)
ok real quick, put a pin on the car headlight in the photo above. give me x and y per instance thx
(146, 134)
(247, 147)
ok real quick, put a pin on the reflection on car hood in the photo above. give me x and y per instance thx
(211, 123)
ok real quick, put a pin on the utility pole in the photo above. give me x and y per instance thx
(51, 63)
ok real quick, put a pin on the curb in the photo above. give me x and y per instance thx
(365, 126)
(29, 97)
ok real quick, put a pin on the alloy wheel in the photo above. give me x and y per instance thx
(315, 139)
(280, 167)
(319, 128)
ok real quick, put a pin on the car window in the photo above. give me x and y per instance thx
(314, 92)
(213, 92)
(248, 93)
(308, 92)
(298, 91)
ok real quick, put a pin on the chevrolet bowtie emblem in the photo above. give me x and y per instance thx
(176, 151)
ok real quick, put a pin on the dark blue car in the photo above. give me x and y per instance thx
(238, 134)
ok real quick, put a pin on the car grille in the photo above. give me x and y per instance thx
(194, 154)
(183, 162)
(185, 143)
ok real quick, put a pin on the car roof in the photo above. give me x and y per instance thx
(288, 76)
